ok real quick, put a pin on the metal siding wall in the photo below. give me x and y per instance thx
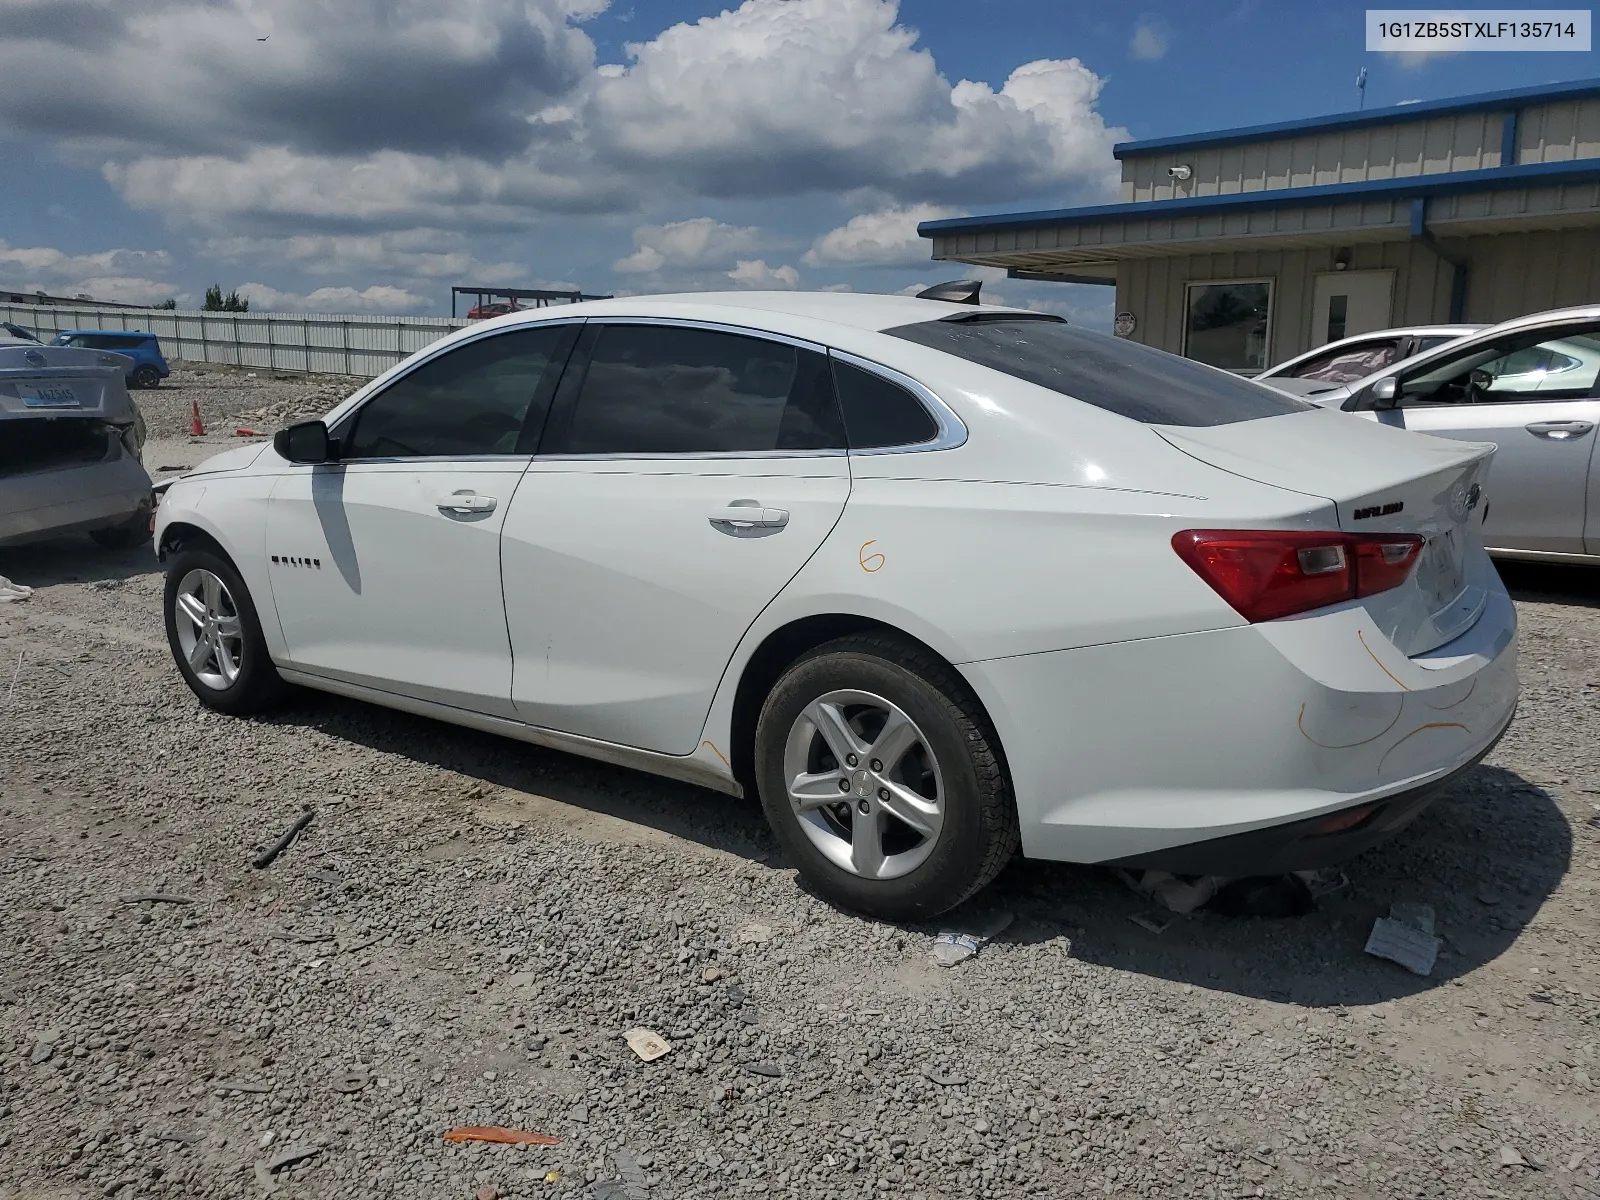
(325, 343)
(1517, 273)
(1559, 132)
(1462, 142)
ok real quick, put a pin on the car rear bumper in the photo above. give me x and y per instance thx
(1231, 747)
(50, 503)
(1306, 844)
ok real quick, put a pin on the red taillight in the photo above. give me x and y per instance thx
(1275, 572)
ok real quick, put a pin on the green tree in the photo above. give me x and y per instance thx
(168, 303)
(232, 302)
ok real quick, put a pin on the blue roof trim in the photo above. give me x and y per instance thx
(1482, 102)
(1493, 179)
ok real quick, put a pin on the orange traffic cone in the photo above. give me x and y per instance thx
(196, 426)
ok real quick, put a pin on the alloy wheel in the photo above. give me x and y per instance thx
(210, 633)
(864, 784)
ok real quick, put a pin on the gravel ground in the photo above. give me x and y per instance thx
(468, 926)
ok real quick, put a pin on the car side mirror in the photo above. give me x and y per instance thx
(307, 442)
(1385, 394)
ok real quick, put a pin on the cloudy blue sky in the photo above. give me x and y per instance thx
(349, 155)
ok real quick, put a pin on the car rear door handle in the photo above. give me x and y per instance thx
(749, 516)
(1559, 431)
(466, 502)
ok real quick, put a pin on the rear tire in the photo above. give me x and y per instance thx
(215, 635)
(923, 818)
(145, 377)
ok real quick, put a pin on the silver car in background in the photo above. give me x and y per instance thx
(71, 440)
(1532, 387)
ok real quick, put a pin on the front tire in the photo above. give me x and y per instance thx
(215, 635)
(881, 775)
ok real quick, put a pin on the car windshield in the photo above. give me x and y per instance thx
(1123, 377)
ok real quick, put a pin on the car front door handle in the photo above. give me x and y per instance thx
(749, 515)
(1559, 431)
(466, 502)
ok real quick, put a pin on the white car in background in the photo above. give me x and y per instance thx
(1532, 387)
(1353, 358)
(930, 578)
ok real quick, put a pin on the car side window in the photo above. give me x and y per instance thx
(1349, 364)
(474, 399)
(1529, 367)
(673, 389)
(879, 413)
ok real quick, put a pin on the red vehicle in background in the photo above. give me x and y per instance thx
(482, 312)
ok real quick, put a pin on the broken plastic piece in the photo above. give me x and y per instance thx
(957, 945)
(501, 1135)
(1405, 944)
(1156, 925)
(10, 592)
(647, 1044)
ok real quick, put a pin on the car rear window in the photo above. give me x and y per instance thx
(1120, 376)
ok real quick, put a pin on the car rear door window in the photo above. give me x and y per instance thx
(472, 400)
(1112, 373)
(672, 389)
(879, 414)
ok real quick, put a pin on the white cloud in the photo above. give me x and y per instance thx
(700, 242)
(420, 253)
(1150, 40)
(395, 113)
(754, 273)
(886, 238)
(378, 298)
(122, 275)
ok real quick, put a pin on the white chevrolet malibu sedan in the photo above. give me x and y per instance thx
(932, 579)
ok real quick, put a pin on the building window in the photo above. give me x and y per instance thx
(1227, 323)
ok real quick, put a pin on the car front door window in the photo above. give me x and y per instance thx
(472, 400)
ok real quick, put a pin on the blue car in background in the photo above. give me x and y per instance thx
(149, 367)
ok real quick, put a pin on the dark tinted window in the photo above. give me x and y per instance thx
(878, 413)
(1432, 341)
(470, 400)
(1111, 373)
(665, 389)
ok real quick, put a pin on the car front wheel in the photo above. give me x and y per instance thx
(881, 775)
(215, 635)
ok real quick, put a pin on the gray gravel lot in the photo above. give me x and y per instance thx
(467, 927)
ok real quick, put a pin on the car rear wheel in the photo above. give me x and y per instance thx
(881, 776)
(145, 377)
(215, 635)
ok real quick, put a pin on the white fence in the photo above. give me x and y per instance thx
(361, 345)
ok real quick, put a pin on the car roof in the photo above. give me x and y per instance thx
(113, 332)
(855, 310)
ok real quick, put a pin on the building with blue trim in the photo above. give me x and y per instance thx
(1248, 246)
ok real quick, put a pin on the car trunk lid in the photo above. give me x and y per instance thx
(1379, 480)
(62, 381)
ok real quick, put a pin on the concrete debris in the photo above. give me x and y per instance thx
(1406, 937)
(1511, 1157)
(769, 1070)
(754, 934)
(1174, 893)
(957, 945)
(240, 1085)
(647, 1044)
